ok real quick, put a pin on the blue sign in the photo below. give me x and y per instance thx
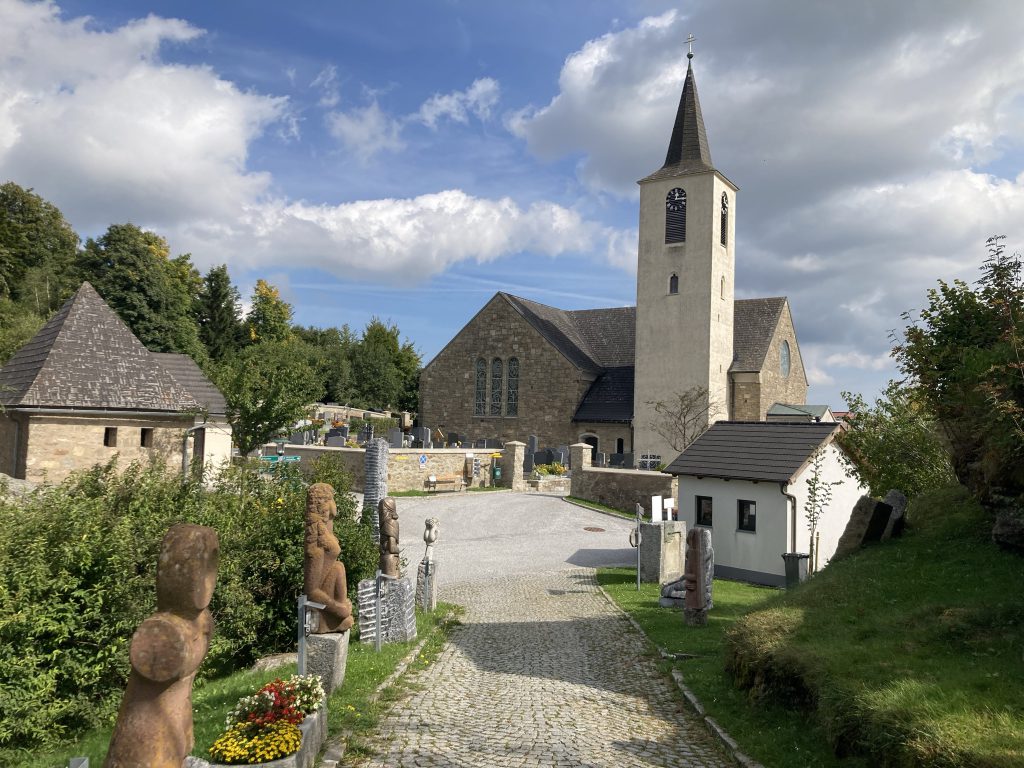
(423, 459)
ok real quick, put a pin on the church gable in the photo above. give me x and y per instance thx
(500, 377)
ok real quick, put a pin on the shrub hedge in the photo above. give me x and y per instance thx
(77, 575)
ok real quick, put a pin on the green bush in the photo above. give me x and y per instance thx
(77, 576)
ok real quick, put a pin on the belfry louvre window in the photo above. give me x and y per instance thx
(512, 384)
(480, 407)
(725, 219)
(675, 216)
(496, 386)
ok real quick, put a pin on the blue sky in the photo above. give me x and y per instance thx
(408, 159)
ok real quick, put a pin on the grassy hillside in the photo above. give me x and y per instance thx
(910, 652)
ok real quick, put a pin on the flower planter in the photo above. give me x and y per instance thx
(314, 733)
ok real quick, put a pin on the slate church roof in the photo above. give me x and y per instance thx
(752, 450)
(602, 342)
(86, 357)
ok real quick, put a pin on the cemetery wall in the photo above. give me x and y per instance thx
(621, 488)
(59, 445)
(405, 472)
(550, 387)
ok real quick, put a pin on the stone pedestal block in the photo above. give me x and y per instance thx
(695, 617)
(661, 551)
(326, 657)
(397, 611)
(426, 586)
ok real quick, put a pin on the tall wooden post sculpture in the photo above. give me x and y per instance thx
(154, 724)
(324, 575)
(387, 512)
(697, 576)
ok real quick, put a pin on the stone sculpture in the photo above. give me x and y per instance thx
(426, 576)
(324, 575)
(154, 724)
(387, 514)
(698, 576)
(375, 486)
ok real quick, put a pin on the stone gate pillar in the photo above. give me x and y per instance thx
(512, 466)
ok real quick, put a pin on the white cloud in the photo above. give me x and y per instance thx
(133, 134)
(854, 359)
(327, 82)
(479, 99)
(365, 131)
(400, 240)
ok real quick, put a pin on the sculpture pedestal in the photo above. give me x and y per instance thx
(661, 551)
(397, 611)
(695, 617)
(326, 657)
(426, 587)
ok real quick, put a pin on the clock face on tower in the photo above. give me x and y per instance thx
(675, 200)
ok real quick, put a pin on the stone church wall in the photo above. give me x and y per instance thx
(746, 397)
(607, 433)
(776, 388)
(550, 387)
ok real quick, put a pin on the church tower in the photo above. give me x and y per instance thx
(684, 281)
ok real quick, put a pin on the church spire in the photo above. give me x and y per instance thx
(688, 147)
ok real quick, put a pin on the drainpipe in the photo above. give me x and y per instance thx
(792, 517)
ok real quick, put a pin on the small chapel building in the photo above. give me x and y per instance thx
(521, 368)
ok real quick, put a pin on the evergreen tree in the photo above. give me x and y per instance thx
(218, 313)
(386, 372)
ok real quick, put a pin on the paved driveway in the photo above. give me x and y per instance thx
(543, 671)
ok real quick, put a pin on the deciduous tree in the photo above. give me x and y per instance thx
(684, 416)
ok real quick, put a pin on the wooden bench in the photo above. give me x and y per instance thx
(457, 482)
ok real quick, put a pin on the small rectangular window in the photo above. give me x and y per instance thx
(703, 510)
(747, 515)
(110, 437)
(146, 439)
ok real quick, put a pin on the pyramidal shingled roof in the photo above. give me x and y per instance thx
(86, 357)
(688, 150)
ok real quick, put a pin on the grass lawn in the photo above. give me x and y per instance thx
(911, 651)
(348, 707)
(772, 735)
(602, 508)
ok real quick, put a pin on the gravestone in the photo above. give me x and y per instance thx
(335, 441)
(545, 456)
(344, 430)
(395, 437)
(616, 459)
(898, 501)
(661, 552)
(454, 438)
(601, 460)
(627, 460)
(561, 455)
(492, 444)
(867, 523)
(375, 486)
(479, 444)
(154, 723)
(531, 448)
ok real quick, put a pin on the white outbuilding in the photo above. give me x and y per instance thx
(748, 483)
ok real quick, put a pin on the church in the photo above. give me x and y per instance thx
(521, 368)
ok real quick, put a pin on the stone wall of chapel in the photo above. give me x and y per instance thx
(550, 387)
(60, 445)
(607, 433)
(776, 388)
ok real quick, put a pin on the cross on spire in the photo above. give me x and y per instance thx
(689, 43)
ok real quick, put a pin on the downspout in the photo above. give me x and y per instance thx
(792, 516)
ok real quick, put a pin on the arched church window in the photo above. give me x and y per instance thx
(496, 387)
(512, 385)
(675, 216)
(784, 362)
(725, 219)
(673, 283)
(480, 402)
(722, 289)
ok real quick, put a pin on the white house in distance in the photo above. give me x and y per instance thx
(747, 483)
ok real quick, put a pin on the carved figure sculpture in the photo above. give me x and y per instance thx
(387, 513)
(324, 575)
(430, 536)
(154, 724)
(697, 576)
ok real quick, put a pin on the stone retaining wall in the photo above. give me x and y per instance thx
(406, 472)
(618, 488)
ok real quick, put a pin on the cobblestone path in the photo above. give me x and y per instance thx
(542, 673)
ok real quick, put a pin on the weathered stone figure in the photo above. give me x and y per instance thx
(325, 580)
(697, 576)
(430, 536)
(387, 513)
(154, 724)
